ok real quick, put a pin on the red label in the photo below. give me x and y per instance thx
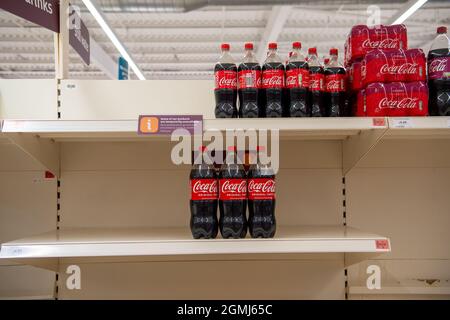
(233, 189)
(204, 189)
(249, 79)
(439, 68)
(335, 83)
(382, 244)
(226, 79)
(273, 78)
(297, 78)
(379, 122)
(261, 189)
(316, 81)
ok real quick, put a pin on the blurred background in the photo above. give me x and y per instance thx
(180, 39)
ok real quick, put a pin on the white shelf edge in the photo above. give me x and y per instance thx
(327, 240)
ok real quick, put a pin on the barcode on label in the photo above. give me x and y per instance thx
(249, 80)
(382, 244)
(402, 123)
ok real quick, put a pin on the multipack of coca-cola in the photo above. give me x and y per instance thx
(232, 189)
(363, 39)
(393, 99)
(393, 66)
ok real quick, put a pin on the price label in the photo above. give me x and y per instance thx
(382, 244)
(402, 123)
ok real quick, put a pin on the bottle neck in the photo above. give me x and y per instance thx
(226, 57)
(249, 56)
(334, 62)
(297, 55)
(313, 60)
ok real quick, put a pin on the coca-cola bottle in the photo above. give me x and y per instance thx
(204, 195)
(316, 85)
(261, 199)
(225, 73)
(297, 83)
(439, 74)
(249, 82)
(232, 197)
(335, 86)
(273, 83)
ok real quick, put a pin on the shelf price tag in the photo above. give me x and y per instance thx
(166, 124)
(379, 122)
(402, 123)
(382, 244)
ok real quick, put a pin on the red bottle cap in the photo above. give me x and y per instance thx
(232, 148)
(248, 46)
(312, 51)
(297, 45)
(326, 60)
(261, 148)
(273, 45)
(333, 52)
(441, 29)
(225, 46)
(203, 148)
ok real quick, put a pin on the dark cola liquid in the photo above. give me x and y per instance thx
(273, 97)
(336, 102)
(203, 223)
(226, 98)
(249, 97)
(261, 219)
(233, 219)
(439, 89)
(317, 97)
(297, 99)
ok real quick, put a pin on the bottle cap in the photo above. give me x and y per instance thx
(261, 148)
(232, 148)
(273, 45)
(225, 46)
(333, 52)
(203, 148)
(297, 45)
(442, 29)
(248, 46)
(312, 51)
(326, 60)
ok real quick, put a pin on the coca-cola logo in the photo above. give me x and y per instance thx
(234, 187)
(267, 186)
(291, 81)
(406, 68)
(315, 83)
(406, 103)
(205, 186)
(273, 81)
(437, 65)
(333, 85)
(381, 44)
(227, 82)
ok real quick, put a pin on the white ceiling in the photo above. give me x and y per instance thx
(186, 45)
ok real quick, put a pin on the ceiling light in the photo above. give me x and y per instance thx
(96, 12)
(405, 15)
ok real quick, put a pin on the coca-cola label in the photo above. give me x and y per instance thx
(204, 189)
(249, 79)
(316, 81)
(297, 78)
(226, 79)
(233, 189)
(273, 78)
(388, 43)
(405, 68)
(405, 103)
(335, 83)
(439, 68)
(261, 189)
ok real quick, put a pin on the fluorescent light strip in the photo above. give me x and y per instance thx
(410, 11)
(112, 36)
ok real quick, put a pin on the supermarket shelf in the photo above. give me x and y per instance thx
(314, 128)
(141, 242)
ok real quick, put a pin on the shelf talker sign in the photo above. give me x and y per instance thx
(166, 125)
(79, 37)
(123, 69)
(42, 12)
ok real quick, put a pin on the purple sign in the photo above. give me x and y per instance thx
(42, 12)
(165, 125)
(79, 37)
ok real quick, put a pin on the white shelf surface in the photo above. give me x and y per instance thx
(325, 128)
(118, 242)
